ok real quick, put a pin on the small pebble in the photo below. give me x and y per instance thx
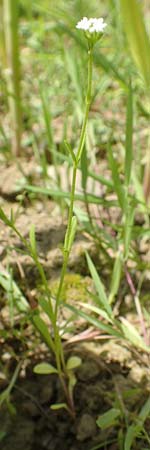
(86, 427)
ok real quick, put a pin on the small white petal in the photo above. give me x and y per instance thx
(83, 24)
(92, 25)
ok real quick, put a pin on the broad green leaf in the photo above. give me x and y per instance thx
(129, 136)
(116, 179)
(99, 286)
(44, 369)
(73, 362)
(137, 36)
(108, 419)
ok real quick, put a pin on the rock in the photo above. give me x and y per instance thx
(46, 392)
(88, 370)
(86, 427)
(31, 409)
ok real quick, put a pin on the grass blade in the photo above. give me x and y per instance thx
(129, 134)
(99, 286)
(137, 36)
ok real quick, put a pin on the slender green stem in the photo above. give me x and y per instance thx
(10, 19)
(73, 185)
(76, 162)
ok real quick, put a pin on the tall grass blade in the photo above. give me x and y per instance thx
(137, 36)
(116, 179)
(129, 135)
(99, 286)
(10, 18)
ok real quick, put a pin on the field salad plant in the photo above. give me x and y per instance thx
(116, 241)
(93, 29)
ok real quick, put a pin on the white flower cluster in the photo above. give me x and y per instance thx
(92, 25)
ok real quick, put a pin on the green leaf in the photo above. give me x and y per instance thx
(70, 150)
(46, 307)
(43, 330)
(137, 36)
(96, 310)
(116, 179)
(146, 316)
(145, 411)
(19, 300)
(57, 406)
(129, 136)
(84, 167)
(101, 179)
(96, 322)
(45, 369)
(115, 280)
(108, 419)
(73, 362)
(2, 435)
(57, 193)
(4, 218)
(134, 429)
(99, 286)
(128, 228)
(70, 238)
(33, 240)
(130, 436)
(132, 335)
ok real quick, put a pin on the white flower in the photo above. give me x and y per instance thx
(92, 25)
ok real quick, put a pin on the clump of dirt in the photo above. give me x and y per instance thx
(100, 386)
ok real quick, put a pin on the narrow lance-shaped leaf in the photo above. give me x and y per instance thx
(129, 135)
(145, 411)
(84, 167)
(130, 436)
(69, 238)
(33, 240)
(99, 286)
(43, 330)
(115, 280)
(128, 228)
(116, 179)
(137, 36)
(131, 334)
(97, 322)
